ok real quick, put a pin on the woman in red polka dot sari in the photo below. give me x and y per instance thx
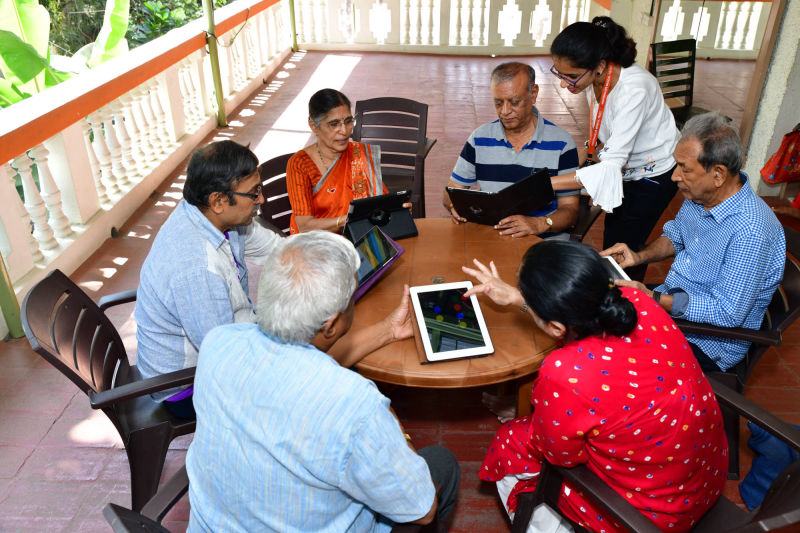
(622, 394)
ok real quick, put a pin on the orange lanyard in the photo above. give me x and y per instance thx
(600, 108)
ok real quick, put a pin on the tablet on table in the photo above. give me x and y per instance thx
(448, 326)
(377, 252)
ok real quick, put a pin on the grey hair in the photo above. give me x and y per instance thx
(508, 71)
(306, 280)
(719, 140)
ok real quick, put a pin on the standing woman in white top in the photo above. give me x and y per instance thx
(632, 132)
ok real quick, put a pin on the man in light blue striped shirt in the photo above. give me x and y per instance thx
(513, 147)
(729, 247)
(288, 440)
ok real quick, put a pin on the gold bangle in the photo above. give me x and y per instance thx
(524, 308)
(407, 437)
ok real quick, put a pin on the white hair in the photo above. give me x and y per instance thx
(307, 279)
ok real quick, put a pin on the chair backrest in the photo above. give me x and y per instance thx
(69, 330)
(587, 214)
(673, 65)
(399, 126)
(784, 308)
(276, 209)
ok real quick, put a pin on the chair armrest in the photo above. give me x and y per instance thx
(617, 506)
(124, 520)
(168, 495)
(98, 400)
(760, 416)
(757, 336)
(110, 300)
(425, 148)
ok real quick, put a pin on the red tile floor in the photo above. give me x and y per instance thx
(61, 462)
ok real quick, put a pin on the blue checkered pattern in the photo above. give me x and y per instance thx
(729, 260)
(289, 441)
(489, 159)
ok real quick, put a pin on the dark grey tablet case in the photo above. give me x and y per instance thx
(519, 198)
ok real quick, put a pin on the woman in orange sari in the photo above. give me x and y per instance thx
(324, 177)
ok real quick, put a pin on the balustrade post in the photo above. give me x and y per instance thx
(34, 204)
(50, 193)
(155, 148)
(165, 136)
(94, 164)
(115, 148)
(137, 133)
(17, 229)
(103, 154)
(124, 139)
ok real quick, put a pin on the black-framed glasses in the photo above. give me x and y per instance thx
(347, 122)
(569, 81)
(252, 195)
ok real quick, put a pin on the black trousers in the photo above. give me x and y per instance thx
(643, 202)
(446, 474)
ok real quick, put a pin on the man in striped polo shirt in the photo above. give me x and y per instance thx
(513, 147)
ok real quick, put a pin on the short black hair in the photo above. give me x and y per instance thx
(217, 167)
(586, 44)
(323, 101)
(567, 282)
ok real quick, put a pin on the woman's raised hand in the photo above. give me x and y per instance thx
(491, 285)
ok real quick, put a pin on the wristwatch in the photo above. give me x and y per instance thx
(549, 221)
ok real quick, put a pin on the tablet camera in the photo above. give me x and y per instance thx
(477, 211)
(379, 217)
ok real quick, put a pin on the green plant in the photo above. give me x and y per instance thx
(152, 18)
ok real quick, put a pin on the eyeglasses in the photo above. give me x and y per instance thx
(252, 195)
(569, 81)
(335, 124)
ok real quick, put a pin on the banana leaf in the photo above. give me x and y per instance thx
(31, 22)
(111, 41)
(9, 94)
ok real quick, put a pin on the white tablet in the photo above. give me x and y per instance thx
(614, 269)
(450, 327)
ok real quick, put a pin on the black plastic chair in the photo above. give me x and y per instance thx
(587, 214)
(780, 508)
(72, 333)
(276, 209)
(673, 64)
(148, 520)
(399, 127)
(782, 312)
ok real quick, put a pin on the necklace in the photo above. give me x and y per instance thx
(319, 152)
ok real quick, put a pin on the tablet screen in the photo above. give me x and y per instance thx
(450, 326)
(375, 251)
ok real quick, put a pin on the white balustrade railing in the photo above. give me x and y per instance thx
(507, 27)
(88, 176)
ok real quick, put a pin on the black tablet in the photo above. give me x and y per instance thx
(385, 211)
(519, 198)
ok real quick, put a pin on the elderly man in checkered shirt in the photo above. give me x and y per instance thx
(729, 247)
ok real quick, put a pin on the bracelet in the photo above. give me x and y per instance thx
(338, 220)
(407, 437)
(524, 308)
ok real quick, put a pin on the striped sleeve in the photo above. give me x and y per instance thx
(299, 173)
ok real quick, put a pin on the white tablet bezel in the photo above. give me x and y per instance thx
(430, 355)
(614, 265)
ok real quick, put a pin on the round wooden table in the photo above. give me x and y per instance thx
(437, 255)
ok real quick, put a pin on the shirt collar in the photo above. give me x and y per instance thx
(735, 203)
(209, 230)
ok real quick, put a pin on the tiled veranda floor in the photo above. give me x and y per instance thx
(60, 462)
